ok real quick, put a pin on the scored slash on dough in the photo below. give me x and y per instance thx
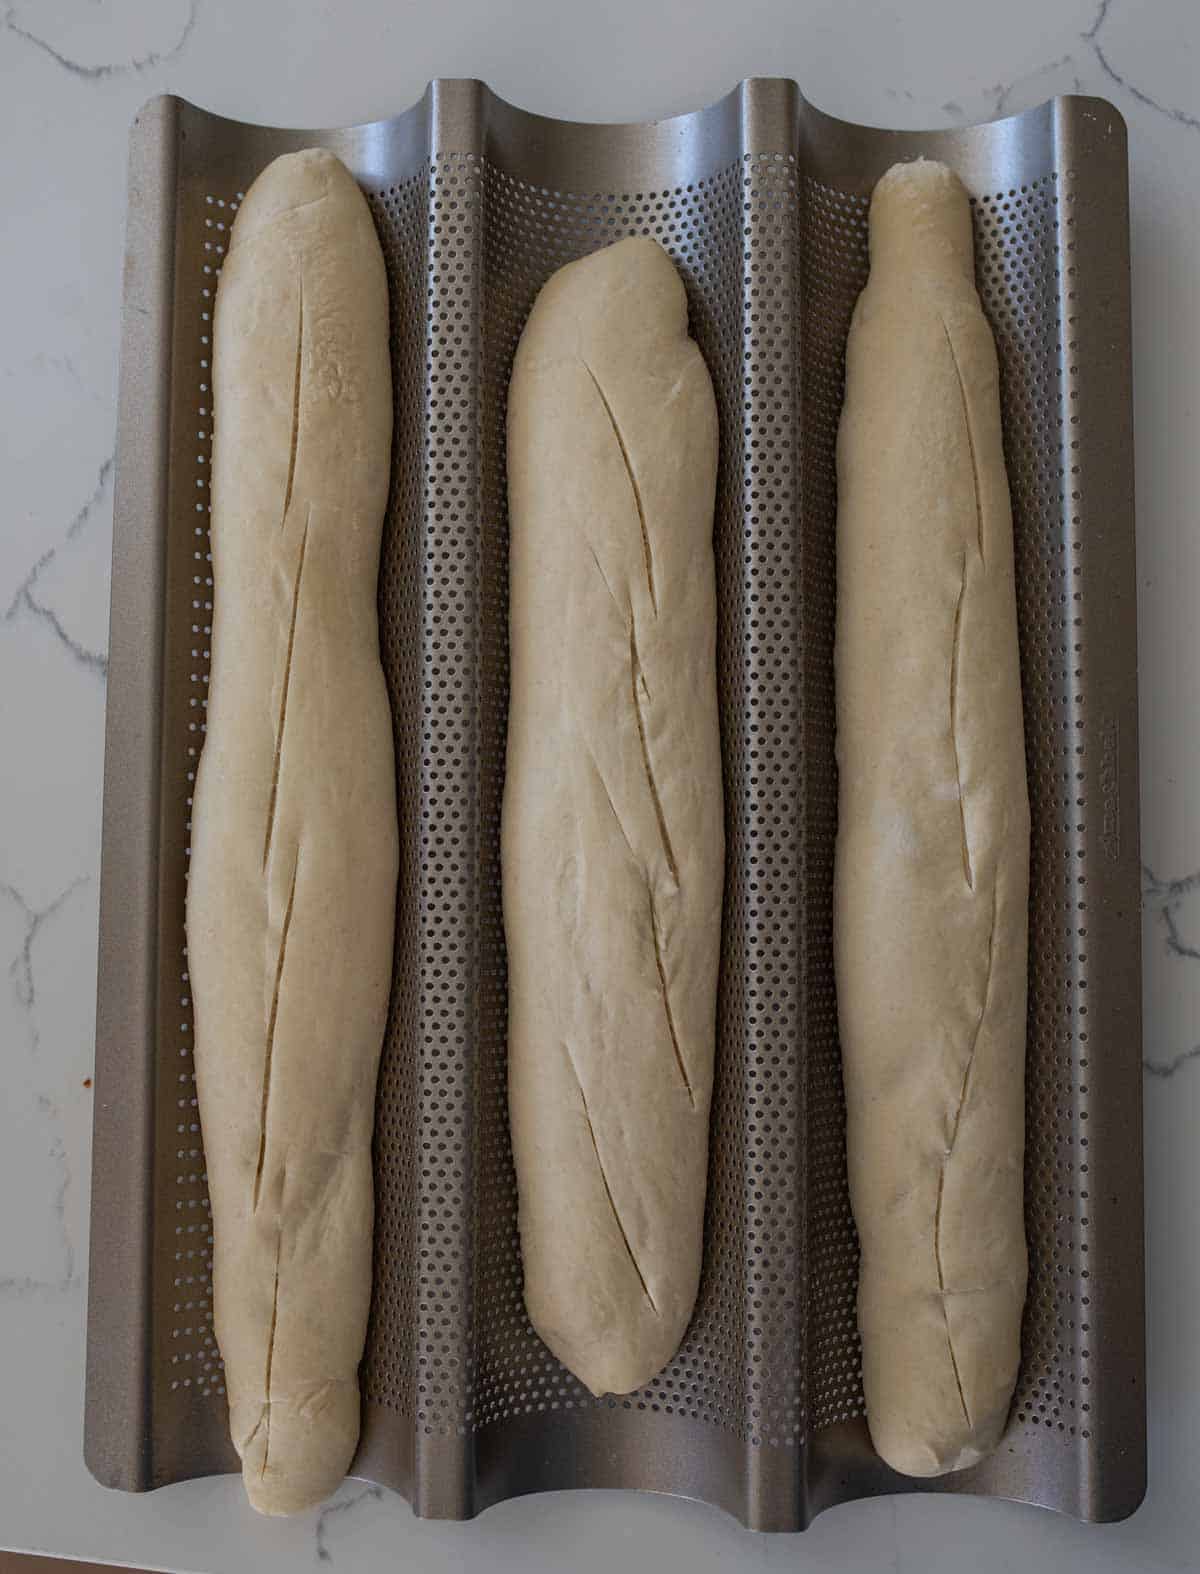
(287, 679)
(635, 672)
(296, 382)
(637, 495)
(954, 657)
(271, 1351)
(660, 815)
(666, 997)
(587, 1115)
(966, 410)
(607, 585)
(609, 800)
(968, 873)
(949, 1154)
(269, 1053)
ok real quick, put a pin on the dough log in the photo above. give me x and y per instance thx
(613, 845)
(932, 866)
(291, 897)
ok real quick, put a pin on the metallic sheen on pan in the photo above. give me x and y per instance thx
(761, 200)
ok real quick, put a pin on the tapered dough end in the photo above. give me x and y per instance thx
(620, 1364)
(921, 219)
(911, 1455)
(931, 1411)
(290, 182)
(304, 1454)
(632, 283)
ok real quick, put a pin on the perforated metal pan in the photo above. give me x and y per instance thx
(761, 200)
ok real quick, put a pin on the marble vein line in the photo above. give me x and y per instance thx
(340, 1506)
(114, 68)
(1002, 93)
(1100, 19)
(27, 584)
(103, 476)
(1166, 895)
(25, 600)
(91, 659)
(21, 967)
(1091, 36)
(42, 360)
(20, 1287)
(1167, 1068)
(85, 513)
(25, 989)
(23, 1288)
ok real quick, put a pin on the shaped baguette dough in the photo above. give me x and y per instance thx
(291, 897)
(613, 842)
(932, 867)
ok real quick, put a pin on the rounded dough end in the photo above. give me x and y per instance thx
(921, 220)
(293, 180)
(619, 1365)
(609, 1353)
(631, 289)
(302, 1458)
(911, 1454)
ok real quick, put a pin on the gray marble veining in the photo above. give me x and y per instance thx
(334, 1510)
(1166, 899)
(20, 969)
(97, 73)
(25, 600)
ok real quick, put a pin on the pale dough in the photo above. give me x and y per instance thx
(613, 845)
(291, 896)
(932, 868)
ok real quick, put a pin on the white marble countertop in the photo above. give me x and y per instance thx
(72, 73)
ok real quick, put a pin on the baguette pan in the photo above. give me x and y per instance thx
(932, 866)
(291, 898)
(613, 845)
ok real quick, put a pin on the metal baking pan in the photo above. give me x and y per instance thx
(761, 200)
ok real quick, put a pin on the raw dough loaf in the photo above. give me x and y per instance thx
(291, 899)
(932, 873)
(613, 842)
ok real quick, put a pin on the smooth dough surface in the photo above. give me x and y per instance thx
(291, 898)
(932, 866)
(613, 839)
